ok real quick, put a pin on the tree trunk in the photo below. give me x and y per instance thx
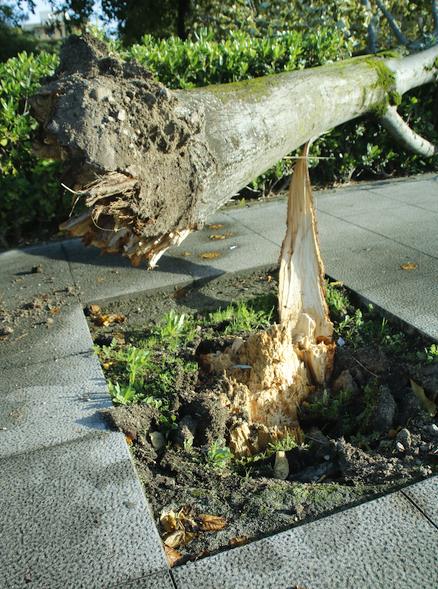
(153, 164)
(272, 372)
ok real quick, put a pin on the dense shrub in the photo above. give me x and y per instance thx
(31, 199)
(187, 64)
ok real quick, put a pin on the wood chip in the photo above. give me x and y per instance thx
(409, 266)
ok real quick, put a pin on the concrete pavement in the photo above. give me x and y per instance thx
(73, 513)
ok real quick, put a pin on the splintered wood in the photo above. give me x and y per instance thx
(273, 371)
(113, 226)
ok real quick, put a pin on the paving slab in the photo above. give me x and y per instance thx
(421, 192)
(162, 580)
(19, 284)
(35, 342)
(74, 516)
(79, 369)
(367, 261)
(383, 544)
(425, 496)
(41, 416)
(201, 255)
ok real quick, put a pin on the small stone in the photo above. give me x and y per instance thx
(121, 115)
(164, 94)
(6, 330)
(404, 437)
(157, 440)
(281, 466)
(37, 269)
(382, 418)
(432, 429)
(399, 447)
(100, 93)
(50, 322)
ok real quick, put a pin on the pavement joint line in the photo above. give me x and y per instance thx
(86, 437)
(146, 577)
(251, 230)
(86, 354)
(69, 264)
(419, 508)
(172, 578)
(404, 202)
(349, 222)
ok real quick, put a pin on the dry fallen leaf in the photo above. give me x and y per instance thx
(215, 226)
(409, 266)
(106, 320)
(55, 310)
(238, 541)
(95, 309)
(427, 404)
(168, 521)
(211, 523)
(129, 439)
(178, 538)
(216, 236)
(210, 255)
(172, 555)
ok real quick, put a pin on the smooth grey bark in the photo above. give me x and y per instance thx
(250, 125)
(404, 135)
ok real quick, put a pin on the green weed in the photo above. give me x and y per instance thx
(240, 318)
(429, 355)
(219, 456)
(175, 330)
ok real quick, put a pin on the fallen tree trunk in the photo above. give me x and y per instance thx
(153, 164)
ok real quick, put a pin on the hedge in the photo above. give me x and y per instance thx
(32, 202)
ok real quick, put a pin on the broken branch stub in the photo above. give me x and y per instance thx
(270, 374)
(136, 153)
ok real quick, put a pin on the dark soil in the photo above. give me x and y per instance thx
(357, 446)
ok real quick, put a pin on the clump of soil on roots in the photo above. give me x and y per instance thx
(364, 434)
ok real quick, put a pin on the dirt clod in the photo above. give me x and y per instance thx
(131, 143)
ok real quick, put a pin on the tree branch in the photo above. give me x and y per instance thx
(394, 26)
(372, 28)
(404, 135)
(435, 17)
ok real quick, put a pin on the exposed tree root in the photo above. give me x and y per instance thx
(112, 225)
(271, 373)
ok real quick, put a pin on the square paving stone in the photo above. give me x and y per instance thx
(41, 416)
(422, 193)
(425, 496)
(74, 516)
(384, 544)
(104, 276)
(34, 342)
(350, 201)
(268, 220)
(404, 224)
(69, 370)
